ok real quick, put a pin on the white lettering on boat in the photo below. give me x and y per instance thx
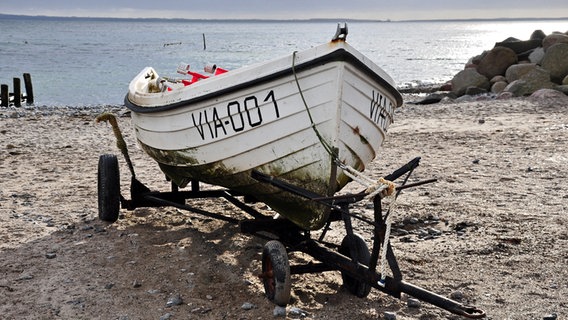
(381, 110)
(236, 116)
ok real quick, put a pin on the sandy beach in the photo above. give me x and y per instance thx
(491, 232)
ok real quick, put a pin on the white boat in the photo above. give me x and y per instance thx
(280, 117)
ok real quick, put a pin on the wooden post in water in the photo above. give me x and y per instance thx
(17, 92)
(204, 45)
(29, 88)
(4, 96)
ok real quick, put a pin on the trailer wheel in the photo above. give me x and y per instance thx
(108, 180)
(359, 288)
(276, 273)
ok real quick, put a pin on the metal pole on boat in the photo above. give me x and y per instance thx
(204, 45)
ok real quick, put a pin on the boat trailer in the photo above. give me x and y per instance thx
(358, 265)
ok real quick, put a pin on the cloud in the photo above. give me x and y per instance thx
(291, 9)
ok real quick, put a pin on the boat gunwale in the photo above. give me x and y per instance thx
(338, 55)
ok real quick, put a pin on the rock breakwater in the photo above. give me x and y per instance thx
(513, 68)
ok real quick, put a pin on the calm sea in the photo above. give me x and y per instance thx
(83, 62)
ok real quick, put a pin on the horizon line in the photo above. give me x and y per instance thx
(2, 15)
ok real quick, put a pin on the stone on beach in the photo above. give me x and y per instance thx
(468, 78)
(518, 46)
(498, 86)
(553, 39)
(536, 55)
(538, 35)
(548, 94)
(496, 62)
(526, 79)
(555, 60)
(518, 71)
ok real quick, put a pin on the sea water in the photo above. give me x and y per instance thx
(83, 62)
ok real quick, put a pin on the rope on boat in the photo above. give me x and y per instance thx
(120, 143)
(386, 188)
(324, 143)
(386, 240)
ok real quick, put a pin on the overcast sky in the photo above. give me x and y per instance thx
(291, 9)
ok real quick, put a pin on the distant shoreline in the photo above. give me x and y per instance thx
(75, 18)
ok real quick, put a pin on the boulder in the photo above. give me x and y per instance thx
(565, 81)
(468, 78)
(547, 93)
(520, 46)
(555, 60)
(496, 62)
(499, 86)
(511, 39)
(524, 57)
(446, 87)
(474, 61)
(538, 35)
(518, 88)
(430, 99)
(474, 91)
(529, 82)
(552, 39)
(517, 71)
(536, 55)
(498, 78)
(562, 88)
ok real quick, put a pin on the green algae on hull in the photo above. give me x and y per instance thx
(307, 214)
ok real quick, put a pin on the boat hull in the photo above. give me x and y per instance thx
(279, 118)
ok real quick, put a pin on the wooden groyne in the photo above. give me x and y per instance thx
(16, 97)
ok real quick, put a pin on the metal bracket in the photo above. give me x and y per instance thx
(341, 33)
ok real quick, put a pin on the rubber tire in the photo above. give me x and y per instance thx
(108, 187)
(276, 271)
(358, 288)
